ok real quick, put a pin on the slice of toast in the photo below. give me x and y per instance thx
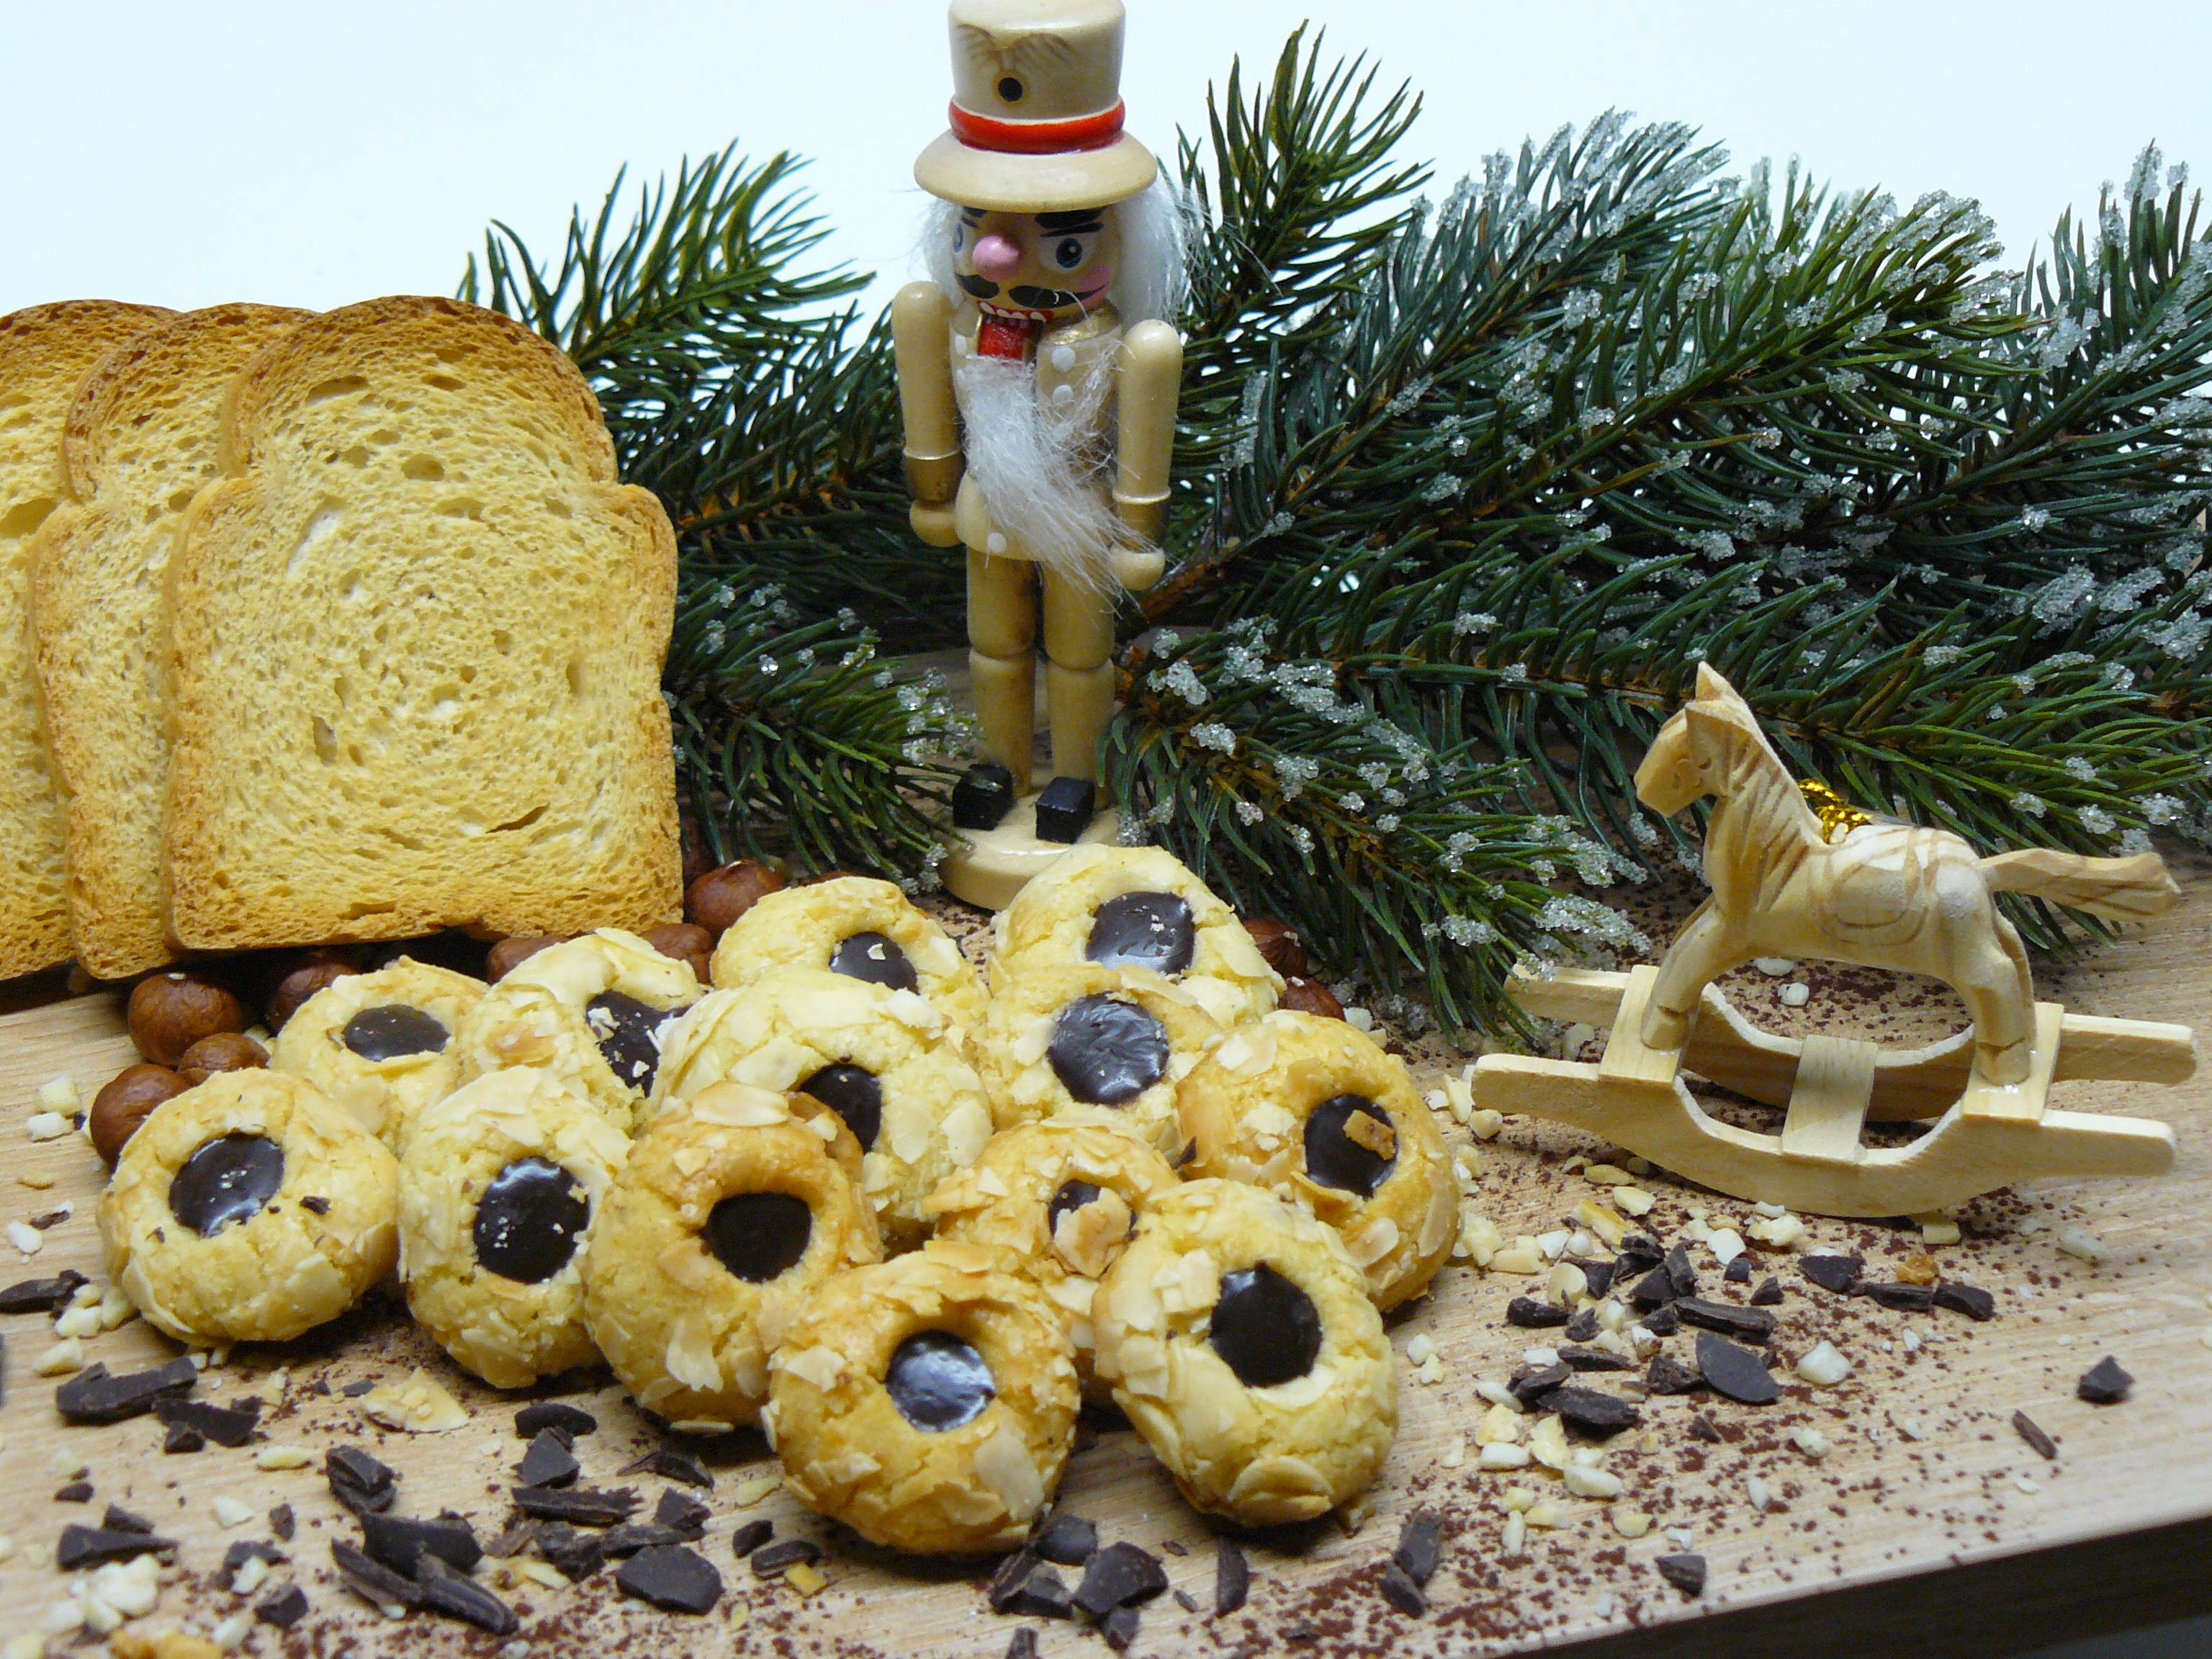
(416, 634)
(43, 352)
(138, 442)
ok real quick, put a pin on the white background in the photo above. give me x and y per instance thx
(312, 155)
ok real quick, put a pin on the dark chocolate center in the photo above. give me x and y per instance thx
(392, 1029)
(529, 1220)
(877, 959)
(228, 1179)
(938, 1381)
(1142, 929)
(1072, 1195)
(758, 1235)
(624, 1029)
(1265, 1327)
(1333, 1158)
(1107, 1052)
(854, 1094)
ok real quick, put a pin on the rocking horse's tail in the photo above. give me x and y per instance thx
(2118, 890)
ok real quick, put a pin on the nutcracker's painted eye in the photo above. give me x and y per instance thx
(959, 237)
(1069, 253)
(1011, 89)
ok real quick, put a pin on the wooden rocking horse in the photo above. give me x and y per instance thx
(1882, 895)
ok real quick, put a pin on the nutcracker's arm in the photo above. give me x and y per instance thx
(1148, 383)
(921, 338)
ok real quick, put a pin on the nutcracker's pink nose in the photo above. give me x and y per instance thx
(998, 257)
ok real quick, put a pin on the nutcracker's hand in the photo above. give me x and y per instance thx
(1138, 567)
(934, 524)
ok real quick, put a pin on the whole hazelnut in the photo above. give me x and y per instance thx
(293, 978)
(681, 942)
(130, 1098)
(721, 897)
(170, 1012)
(226, 1051)
(1309, 996)
(510, 954)
(1280, 947)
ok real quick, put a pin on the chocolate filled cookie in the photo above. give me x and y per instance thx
(1060, 1200)
(248, 1209)
(381, 1044)
(498, 1191)
(1093, 1045)
(886, 1061)
(857, 926)
(1239, 1338)
(1135, 906)
(729, 1215)
(591, 1013)
(1319, 1112)
(928, 1403)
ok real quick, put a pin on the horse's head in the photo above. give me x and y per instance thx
(1680, 764)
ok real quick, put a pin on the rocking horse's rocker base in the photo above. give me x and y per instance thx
(1990, 1136)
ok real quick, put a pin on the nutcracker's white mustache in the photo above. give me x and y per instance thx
(1041, 480)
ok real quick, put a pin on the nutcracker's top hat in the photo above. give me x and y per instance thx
(1036, 110)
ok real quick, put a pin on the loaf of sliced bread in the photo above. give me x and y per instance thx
(43, 352)
(417, 632)
(138, 442)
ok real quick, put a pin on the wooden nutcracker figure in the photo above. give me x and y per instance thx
(1038, 378)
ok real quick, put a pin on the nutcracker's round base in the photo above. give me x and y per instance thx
(996, 864)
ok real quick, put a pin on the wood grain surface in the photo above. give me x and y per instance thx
(1927, 1476)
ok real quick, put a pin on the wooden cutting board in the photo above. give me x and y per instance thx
(1926, 1470)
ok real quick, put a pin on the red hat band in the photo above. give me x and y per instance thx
(1077, 132)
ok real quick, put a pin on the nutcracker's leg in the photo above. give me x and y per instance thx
(1078, 638)
(1002, 658)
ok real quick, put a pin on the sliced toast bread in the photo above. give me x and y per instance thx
(43, 352)
(138, 442)
(416, 634)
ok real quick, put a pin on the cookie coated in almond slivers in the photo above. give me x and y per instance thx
(383, 1095)
(1288, 1451)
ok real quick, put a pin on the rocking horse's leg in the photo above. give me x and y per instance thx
(2000, 992)
(1703, 948)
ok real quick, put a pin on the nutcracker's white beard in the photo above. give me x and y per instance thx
(1042, 481)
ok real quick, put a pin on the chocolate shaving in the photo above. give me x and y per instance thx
(358, 1387)
(1905, 1298)
(444, 1590)
(1600, 1275)
(775, 1558)
(1398, 1589)
(183, 1437)
(1736, 1372)
(681, 1513)
(118, 1519)
(2031, 1431)
(1972, 1300)
(1662, 1322)
(1232, 1577)
(1582, 1327)
(1118, 1575)
(1738, 1271)
(1701, 1428)
(95, 1396)
(1589, 1412)
(1595, 1359)
(282, 1523)
(41, 1295)
(1185, 1600)
(1530, 1314)
(1420, 1548)
(574, 1555)
(1527, 1383)
(671, 1578)
(582, 1506)
(1119, 1628)
(1686, 1573)
(1070, 1539)
(1024, 1644)
(750, 1537)
(549, 1462)
(1768, 1295)
(673, 1465)
(2104, 1383)
(1747, 1324)
(1838, 1273)
(1679, 1273)
(1040, 1593)
(1651, 1290)
(77, 1492)
(88, 1547)
(1667, 1375)
(1638, 1252)
(284, 1609)
(313, 1206)
(634, 1535)
(358, 1480)
(378, 1584)
(540, 1415)
(399, 1542)
(227, 1425)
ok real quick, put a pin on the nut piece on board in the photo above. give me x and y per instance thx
(170, 1011)
(721, 897)
(130, 1094)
